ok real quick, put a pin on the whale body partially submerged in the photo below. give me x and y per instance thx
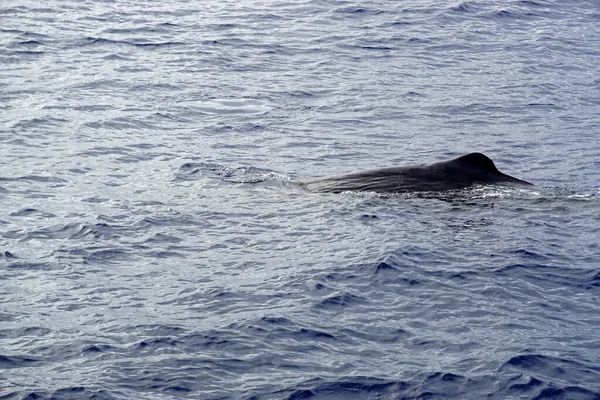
(458, 173)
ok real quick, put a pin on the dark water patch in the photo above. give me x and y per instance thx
(504, 14)
(33, 266)
(529, 255)
(151, 380)
(17, 361)
(101, 231)
(83, 393)
(383, 267)
(412, 96)
(19, 55)
(281, 328)
(175, 219)
(534, 3)
(71, 230)
(542, 106)
(33, 331)
(157, 343)
(97, 348)
(281, 321)
(541, 275)
(26, 212)
(358, 11)
(446, 385)
(36, 178)
(165, 254)
(569, 392)
(551, 369)
(91, 41)
(311, 334)
(418, 40)
(213, 340)
(368, 217)
(9, 30)
(119, 57)
(59, 351)
(47, 121)
(526, 386)
(106, 256)
(94, 199)
(26, 43)
(338, 277)
(159, 238)
(392, 272)
(7, 254)
(157, 330)
(373, 48)
(155, 28)
(351, 388)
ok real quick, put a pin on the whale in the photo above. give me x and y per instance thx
(458, 173)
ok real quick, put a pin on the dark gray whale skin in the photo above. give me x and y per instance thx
(454, 174)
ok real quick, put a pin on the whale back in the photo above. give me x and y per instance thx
(457, 173)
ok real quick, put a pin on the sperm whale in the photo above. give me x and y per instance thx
(458, 173)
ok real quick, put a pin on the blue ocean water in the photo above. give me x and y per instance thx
(154, 245)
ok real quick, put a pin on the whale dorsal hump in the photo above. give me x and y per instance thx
(478, 160)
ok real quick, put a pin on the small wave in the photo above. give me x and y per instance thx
(549, 367)
(504, 14)
(33, 331)
(66, 231)
(105, 256)
(24, 43)
(74, 392)
(26, 212)
(559, 276)
(16, 361)
(341, 300)
(352, 388)
(570, 392)
(531, 384)
(358, 12)
(464, 7)
(7, 254)
(40, 178)
(92, 41)
(39, 122)
(156, 343)
(96, 348)
(383, 267)
(30, 266)
(534, 3)
(529, 255)
(299, 333)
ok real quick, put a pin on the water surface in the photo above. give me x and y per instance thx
(153, 243)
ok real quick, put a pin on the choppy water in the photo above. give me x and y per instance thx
(153, 245)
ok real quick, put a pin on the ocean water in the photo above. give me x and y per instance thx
(154, 243)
